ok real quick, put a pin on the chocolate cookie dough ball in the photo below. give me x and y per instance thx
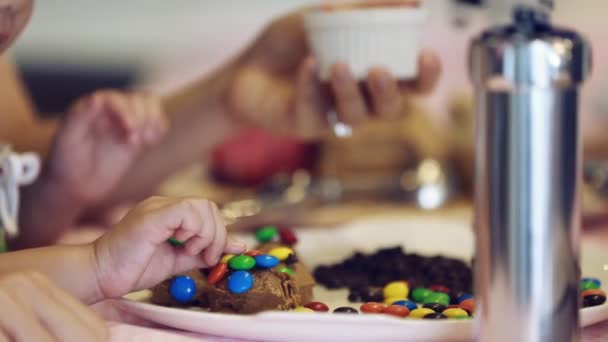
(272, 290)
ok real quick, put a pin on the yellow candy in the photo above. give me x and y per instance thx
(281, 253)
(420, 313)
(303, 309)
(391, 300)
(226, 258)
(455, 313)
(396, 289)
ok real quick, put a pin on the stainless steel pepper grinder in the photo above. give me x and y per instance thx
(528, 169)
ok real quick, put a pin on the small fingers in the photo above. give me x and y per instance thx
(386, 97)
(429, 71)
(349, 99)
(213, 253)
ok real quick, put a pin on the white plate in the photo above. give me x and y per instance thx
(422, 235)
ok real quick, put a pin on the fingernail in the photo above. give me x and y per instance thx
(381, 83)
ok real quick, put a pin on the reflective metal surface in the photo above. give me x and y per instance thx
(526, 77)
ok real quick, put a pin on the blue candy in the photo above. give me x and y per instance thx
(464, 297)
(593, 280)
(240, 282)
(182, 289)
(407, 303)
(266, 261)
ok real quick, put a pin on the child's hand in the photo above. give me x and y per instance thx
(33, 309)
(99, 141)
(136, 255)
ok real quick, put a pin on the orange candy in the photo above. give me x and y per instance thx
(468, 305)
(593, 292)
(217, 273)
(397, 310)
(253, 253)
(373, 307)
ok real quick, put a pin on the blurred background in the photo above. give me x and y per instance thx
(72, 47)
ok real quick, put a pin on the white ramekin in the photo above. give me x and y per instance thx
(367, 37)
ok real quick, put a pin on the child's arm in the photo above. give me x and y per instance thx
(134, 255)
(95, 146)
(34, 309)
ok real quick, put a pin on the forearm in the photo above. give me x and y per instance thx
(72, 268)
(199, 121)
(46, 212)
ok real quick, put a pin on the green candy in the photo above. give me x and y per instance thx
(437, 297)
(175, 242)
(285, 269)
(420, 294)
(241, 263)
(266, 234)
(589, 285)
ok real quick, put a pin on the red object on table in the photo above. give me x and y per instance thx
(254, 156)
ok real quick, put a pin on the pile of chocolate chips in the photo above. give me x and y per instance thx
(366, 275)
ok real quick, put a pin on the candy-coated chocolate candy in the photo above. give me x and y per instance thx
(217, 273)
(437, 297)
(420, 313)
(281, 253)
(397, 310)
(175, 242)
(435, 307)
(440, 288)
(593, 300)
(468, 305)
(455, 313)
(182, 289)
(266, 234)
(593, 280)
(288, 237)
(240, 282)
(396, 289)
(435, 315)
(589, 285)
(266, 261)
(242, 263)
(391, 300)
(226, 258)
(372, 294)
(303, 309)
(407, 303)
(317, 306)
(253, 253)
(291, 259)
(420, 294)
(464, 297)
(372, 307)
(453, 307)
(346, 309)
(593, 292)
(287, 270)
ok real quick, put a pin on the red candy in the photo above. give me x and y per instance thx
(217, 273)
(288, 236)
(439, 288)
(317, 306)
(397, 310)
(373, 307)
(468, 305)
(253, 253)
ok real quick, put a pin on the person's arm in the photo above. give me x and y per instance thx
(198, 122)
(72, 268)
(19, 125)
